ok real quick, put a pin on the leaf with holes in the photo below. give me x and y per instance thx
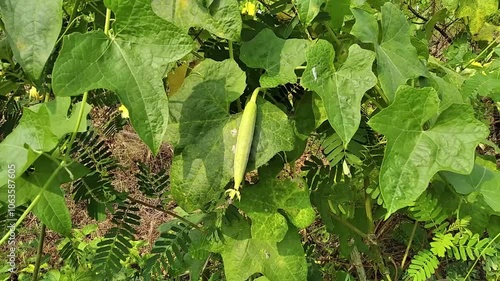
(414, 154)
(130, 62)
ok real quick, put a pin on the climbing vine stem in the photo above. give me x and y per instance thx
(65, 162)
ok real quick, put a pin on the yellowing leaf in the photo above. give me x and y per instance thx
(476, 11)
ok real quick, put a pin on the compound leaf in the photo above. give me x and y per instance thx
(131, 63)
(342, 90)
(414, 154)
(32, 28)
(277, 56)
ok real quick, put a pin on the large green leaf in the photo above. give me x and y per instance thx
(414, 154)
(244, 255)
(447, 92)
(484, 179)
(263, 201)
(342, 90)
(205, 132)
(277, 56)
(32, 27)
(131, 62)
(39, 130)
(397, 59)
(51, 209)
(337, 9)
(308, 10)
(220, 17)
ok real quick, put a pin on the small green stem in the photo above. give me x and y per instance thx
(70, 24)
(254, 94)
(77, 126)
(96, 9)
(332, 33)
(382, 94)
(482, 253)
(368, 207)
(481, 53)
(403, 261)
(231, 54)
(308, 35)
(75, 10)
(33, 203)
(61, 165)
(107, 22)
(376, 103)
(39, 253)
(353, 228)
(238, 104)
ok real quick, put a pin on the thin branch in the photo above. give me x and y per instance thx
(439, 29)
(165, 211)
(39, 253)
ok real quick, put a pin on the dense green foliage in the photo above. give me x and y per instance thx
(376, 126)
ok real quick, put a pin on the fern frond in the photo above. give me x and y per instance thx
(422, 266)
(6, 218)
(114, 124)
(374, 192)
(115, 246)
(469, 247)
(169, 251)
(153, 185)
(460, 225)
(9, 117)
(103, 98)
(482, 84)
(97, 192)
(71, 254)
(93, 153)
(441, 243)
(427, 209)
(95, 188)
